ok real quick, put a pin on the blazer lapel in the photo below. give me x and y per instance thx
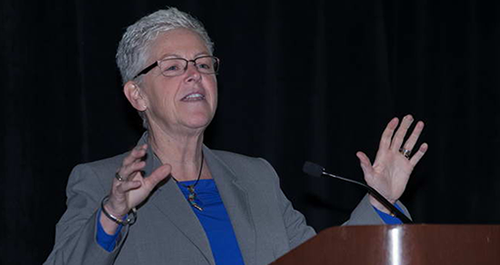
(236, 202)
(172, 203)
(170, 200)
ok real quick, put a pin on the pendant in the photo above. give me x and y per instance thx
(192, 197)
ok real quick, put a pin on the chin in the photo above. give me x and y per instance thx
(199, 122)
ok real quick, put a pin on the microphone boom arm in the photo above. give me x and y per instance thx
(318, 171)
(394, 211)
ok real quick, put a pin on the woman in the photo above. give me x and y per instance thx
(173, 200)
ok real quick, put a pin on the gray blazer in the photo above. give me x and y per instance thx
(167, 230)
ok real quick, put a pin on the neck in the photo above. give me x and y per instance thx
(183, 153)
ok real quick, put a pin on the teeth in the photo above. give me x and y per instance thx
(195, 96)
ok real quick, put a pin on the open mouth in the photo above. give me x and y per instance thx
(193, 97)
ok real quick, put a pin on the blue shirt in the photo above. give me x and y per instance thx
(106, 241)
(387, 218)
(215, 222)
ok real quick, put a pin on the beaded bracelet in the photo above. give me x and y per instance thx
(130, 220)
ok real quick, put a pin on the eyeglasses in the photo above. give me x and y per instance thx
(177, 66)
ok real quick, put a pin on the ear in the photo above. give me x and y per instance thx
(135, 96)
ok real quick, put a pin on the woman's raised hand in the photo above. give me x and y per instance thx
(393, 163)
(130, 187)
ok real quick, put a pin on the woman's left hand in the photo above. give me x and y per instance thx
(391, 170)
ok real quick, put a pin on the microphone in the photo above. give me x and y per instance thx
(316, 170)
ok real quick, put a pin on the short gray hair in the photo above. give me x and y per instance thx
(131, 55)
(132, 52)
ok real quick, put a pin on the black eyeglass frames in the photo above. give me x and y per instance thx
(177, 66)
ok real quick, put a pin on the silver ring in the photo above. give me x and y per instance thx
(119, 177)
(405, 152)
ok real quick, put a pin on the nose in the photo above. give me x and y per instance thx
(192, 72)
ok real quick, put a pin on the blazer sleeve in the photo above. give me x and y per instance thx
(297, 229)
(75, 241)
(295, 223)
(364, 214)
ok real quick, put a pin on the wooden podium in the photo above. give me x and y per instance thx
(400, 245)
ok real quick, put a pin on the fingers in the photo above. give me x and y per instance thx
(130, 192)
(133, 162)
(419, 154)
(365, 163)
(136, 154)
(128, 171)
(146, 184)
(398, 139)
(412, 140)
(158, 175)
(130, 168)
(385, 140)
(126, 186)
(394, 141)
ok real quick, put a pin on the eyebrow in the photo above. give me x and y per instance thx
(173, 55)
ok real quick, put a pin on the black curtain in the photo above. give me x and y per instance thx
(312, 81)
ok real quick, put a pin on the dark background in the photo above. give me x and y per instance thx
(312, 81)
